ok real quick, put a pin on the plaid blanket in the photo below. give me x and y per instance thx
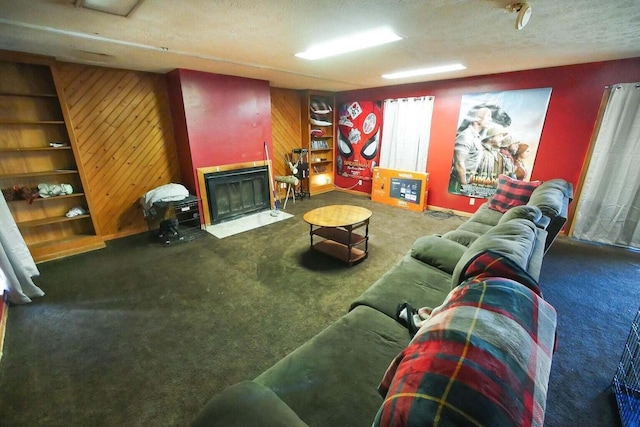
(482, 359)
(493, 264)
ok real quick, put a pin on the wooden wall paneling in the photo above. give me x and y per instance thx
(125, 152)
(124, 135)
(285, 121)
(77, 87)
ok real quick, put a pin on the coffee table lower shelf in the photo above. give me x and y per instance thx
(341, 242)
(335, 226)
(340, 251)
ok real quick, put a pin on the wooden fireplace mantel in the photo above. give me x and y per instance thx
(206, 213)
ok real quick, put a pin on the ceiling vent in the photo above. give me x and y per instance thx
(113, 7)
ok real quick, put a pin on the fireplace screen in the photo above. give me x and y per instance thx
(232, 194)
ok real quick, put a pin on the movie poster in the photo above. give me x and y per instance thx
(498, 133)
(358, 139)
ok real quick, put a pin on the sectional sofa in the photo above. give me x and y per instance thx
(482, 357)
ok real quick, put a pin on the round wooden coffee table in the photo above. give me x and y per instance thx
(335, 225)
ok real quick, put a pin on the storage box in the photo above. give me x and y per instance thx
(404, 189)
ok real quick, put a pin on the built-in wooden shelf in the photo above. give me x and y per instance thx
(49, 220)
(59, 248)
(36, 174)
(47, 199)
(21, 149)
(30, 122)
(319, 181)
(30, 95)
(31, 118)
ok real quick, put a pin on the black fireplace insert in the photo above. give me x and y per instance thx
(235, 193)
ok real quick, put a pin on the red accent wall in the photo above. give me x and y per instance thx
(218, 120)
(573, 109)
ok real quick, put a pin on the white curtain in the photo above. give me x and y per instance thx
(406, 128)
(609, 207)
(17, 267)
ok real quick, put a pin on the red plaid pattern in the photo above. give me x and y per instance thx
(511, 192)
(483, 359)
(493, 264)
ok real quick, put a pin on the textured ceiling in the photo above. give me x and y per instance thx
(258, 39)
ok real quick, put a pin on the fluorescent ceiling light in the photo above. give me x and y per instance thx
(424, 71)
(350, 43)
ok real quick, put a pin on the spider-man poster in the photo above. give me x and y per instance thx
(358, 145)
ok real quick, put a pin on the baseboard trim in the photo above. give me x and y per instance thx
(457, 213)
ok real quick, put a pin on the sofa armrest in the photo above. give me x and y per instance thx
(247, 404)
(553, 198)
(519, 239)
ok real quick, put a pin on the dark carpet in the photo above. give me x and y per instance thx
(596, 293)
(143, 334)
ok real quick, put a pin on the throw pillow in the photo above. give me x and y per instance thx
(511, 192)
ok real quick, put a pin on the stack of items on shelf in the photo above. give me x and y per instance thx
(320, 116)
(318, 108)
(320, 113)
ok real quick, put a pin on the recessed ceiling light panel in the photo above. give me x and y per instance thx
(350, 43)
(424, 71)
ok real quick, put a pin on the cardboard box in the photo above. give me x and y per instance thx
(404, 189)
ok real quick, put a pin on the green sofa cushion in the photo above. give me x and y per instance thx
(247, 404)
(478, 228)
(464, 237)
(331, 380)
(516, 239)
(550, 195)
(532, 213)
(438, 252)
(410, 280)
(484, 215)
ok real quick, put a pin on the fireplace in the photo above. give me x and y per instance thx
(234, 193)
